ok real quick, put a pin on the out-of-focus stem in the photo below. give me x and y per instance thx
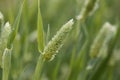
(6, 63)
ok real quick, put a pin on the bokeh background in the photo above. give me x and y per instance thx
(55, 13)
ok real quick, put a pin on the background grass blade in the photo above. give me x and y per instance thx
(37, 54)
(15, 27)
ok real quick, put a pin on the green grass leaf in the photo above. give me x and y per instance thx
(15, 28)
(41, 41)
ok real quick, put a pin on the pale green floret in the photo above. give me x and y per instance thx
(6, 63)
(57, 41)
(103, 37)
(6, 30)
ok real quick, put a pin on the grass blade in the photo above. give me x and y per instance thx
(15, 28)
(40, 33)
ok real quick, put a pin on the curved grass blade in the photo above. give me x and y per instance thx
(15, 27)
(41, 44)
(41, 41)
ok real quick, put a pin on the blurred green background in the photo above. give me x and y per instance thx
(55, 13)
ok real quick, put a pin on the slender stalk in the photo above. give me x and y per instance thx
(38, 69)
(56, 70)
(6, 63)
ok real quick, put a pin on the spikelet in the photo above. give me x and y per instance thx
(100, 43)
(57, 41)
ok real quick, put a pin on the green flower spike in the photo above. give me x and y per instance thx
(57, 41)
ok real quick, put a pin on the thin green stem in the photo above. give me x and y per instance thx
(38, 69)
(6, 63)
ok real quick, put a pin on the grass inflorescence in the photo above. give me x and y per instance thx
(59, 40)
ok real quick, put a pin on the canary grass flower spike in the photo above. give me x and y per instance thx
(52, 47)
(89, 7)
(6, 30)
(104, 63)
(57, 41)
(110, 35)
(104, 36)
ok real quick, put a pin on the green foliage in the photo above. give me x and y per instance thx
(35, 46)
(15, 28)
(41, 40)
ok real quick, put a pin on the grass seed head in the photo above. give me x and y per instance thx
(89, 7)
(104, 36)
(4, 37)
(57, 41)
